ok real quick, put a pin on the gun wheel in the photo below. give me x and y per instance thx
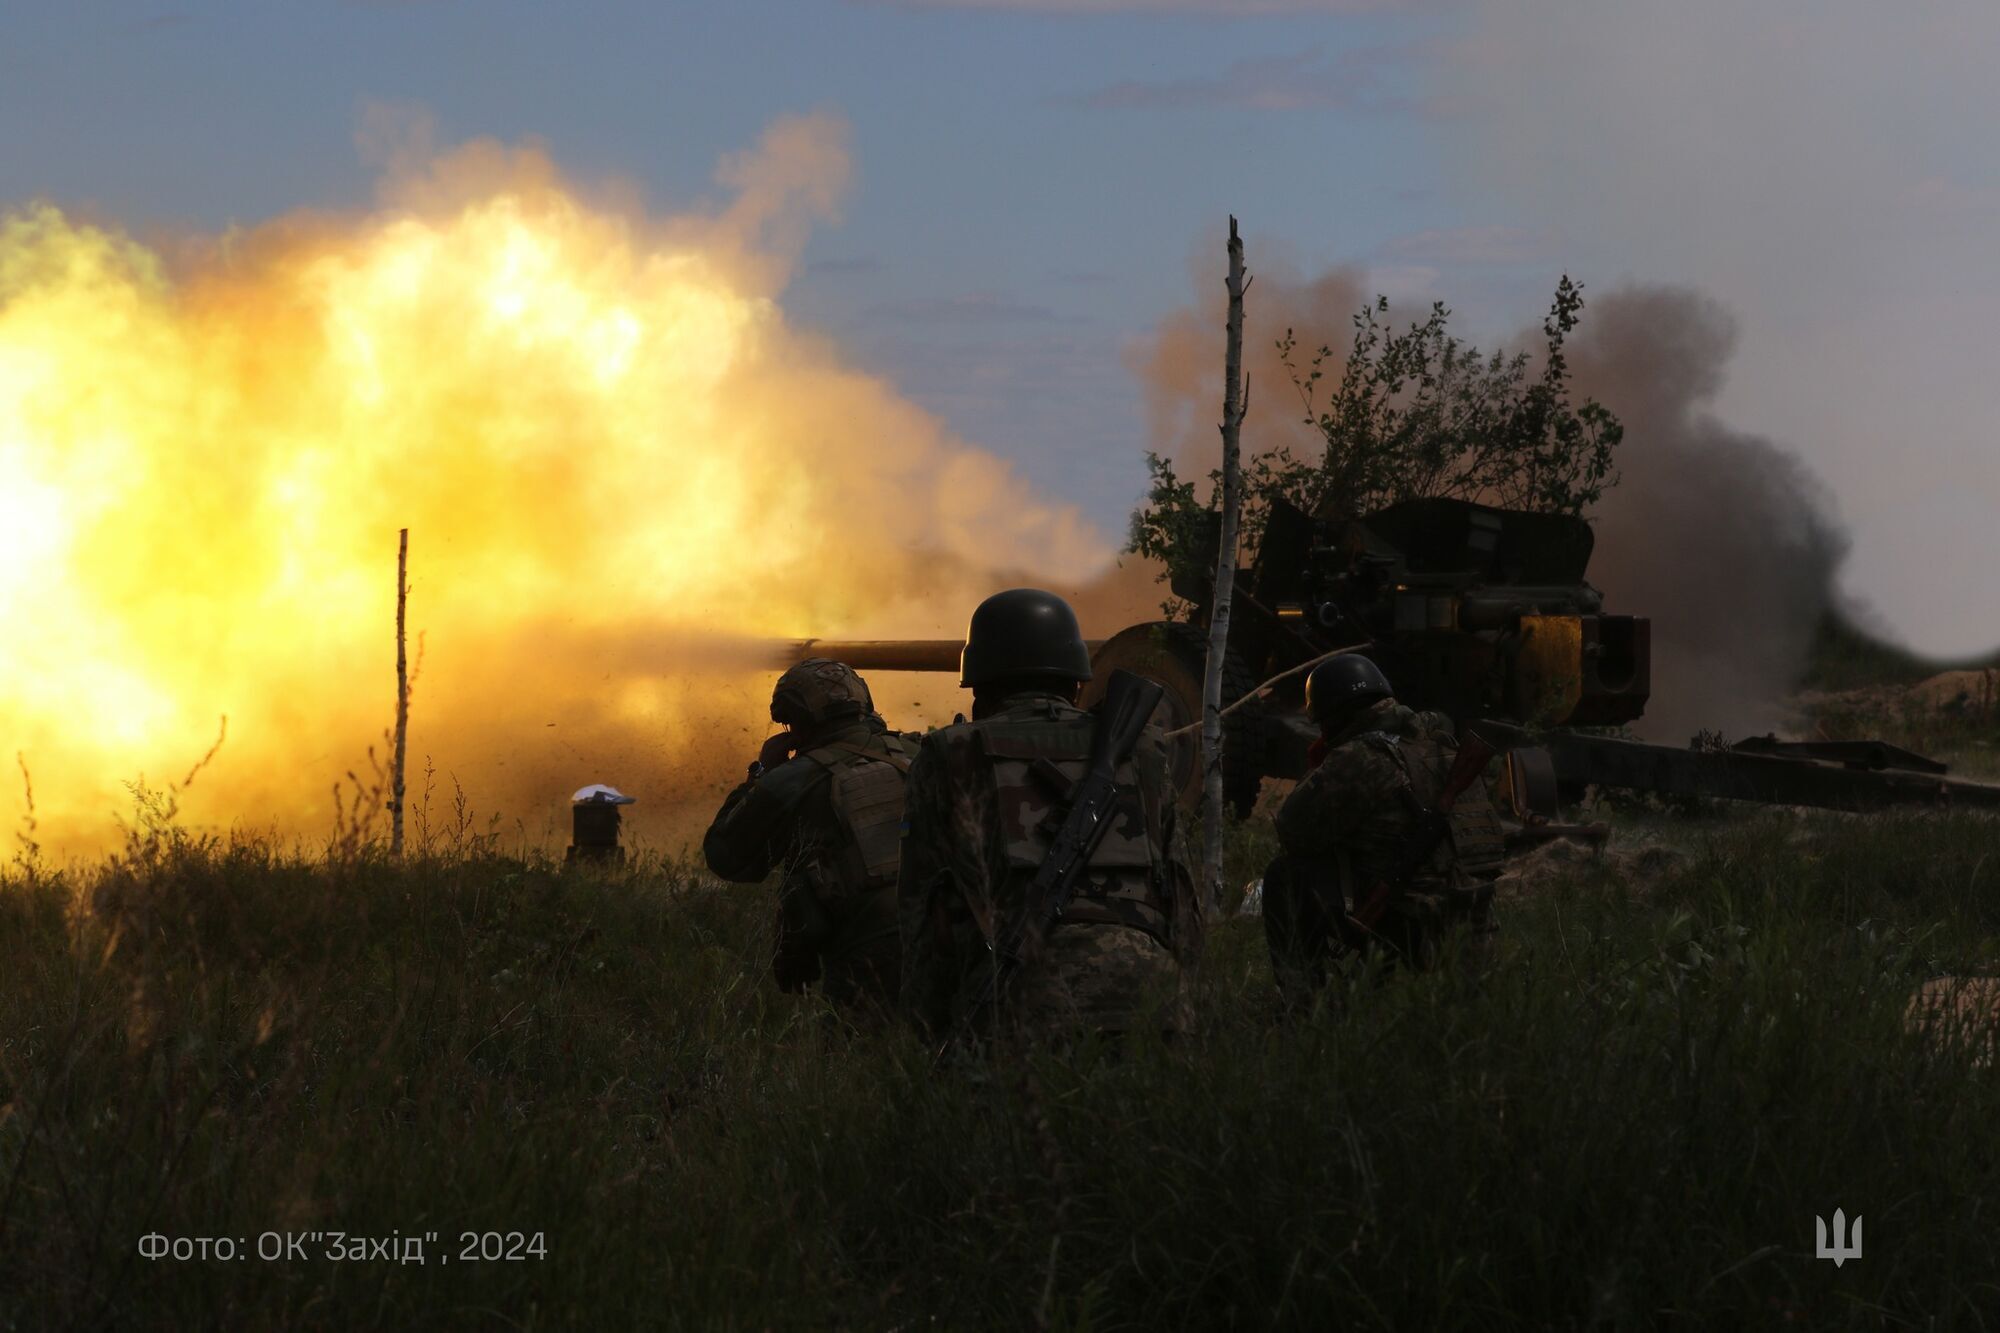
(1176, 655)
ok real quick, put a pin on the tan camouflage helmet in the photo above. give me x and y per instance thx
(819, 690)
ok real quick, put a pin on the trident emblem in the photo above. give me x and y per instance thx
(1845, 1245)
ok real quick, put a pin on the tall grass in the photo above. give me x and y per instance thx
(1630, 1121)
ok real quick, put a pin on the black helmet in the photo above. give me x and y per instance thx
(819, 690)
(1340, 687)
(1023, 632)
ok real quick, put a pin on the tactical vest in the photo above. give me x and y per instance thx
(1035, 761)
(865, 791)
(1473, 853)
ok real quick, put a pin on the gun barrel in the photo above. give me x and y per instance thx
(1741, 774)
(883, 654)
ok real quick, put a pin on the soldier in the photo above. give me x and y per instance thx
(824, 801)
(985, 796)
(1357, 819)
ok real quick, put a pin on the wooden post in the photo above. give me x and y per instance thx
(1235, 403)
(402, 694)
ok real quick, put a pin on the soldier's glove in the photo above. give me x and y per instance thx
(777, 749)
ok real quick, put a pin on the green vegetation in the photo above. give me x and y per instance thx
(1632, 1121)
(1405, 415)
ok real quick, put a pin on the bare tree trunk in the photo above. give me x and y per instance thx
(1235, 402)
(402, 694)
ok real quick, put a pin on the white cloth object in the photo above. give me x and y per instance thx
(597, 791)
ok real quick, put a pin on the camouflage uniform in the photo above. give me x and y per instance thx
(981, 798)
(830, 818)
(1343, 831)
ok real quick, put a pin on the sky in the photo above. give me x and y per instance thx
(1038, 184)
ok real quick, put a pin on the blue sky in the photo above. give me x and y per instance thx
(1029, 188)
(1035, 180)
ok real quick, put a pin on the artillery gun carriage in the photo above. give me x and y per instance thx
(1480, 613)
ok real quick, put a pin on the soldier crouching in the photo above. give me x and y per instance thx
(985, 797)
(1364, 827)
(824, 803)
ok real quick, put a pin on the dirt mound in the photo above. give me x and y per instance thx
(1972, 694)
(1954, 1011)
(1968, 693)
(1632, 858)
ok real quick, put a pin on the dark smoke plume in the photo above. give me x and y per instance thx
(1724, 539)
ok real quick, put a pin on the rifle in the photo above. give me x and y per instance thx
(1128, 704)
(1433, 825)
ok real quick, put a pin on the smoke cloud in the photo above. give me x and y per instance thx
(1724, 539)
(1179, 366)
(1826, 168)
(1721, 537)
(609, 447)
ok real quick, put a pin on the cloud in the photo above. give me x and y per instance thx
(968, 308)
(1476, 245)
(856, 264)
(1219, 8)
(1352, 80)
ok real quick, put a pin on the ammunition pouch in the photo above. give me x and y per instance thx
(867, 800)
(1112, 910)
(1034, 767)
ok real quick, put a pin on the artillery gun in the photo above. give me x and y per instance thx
(1480, 613)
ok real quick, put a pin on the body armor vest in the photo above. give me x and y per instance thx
(866, 794)
(1475, 849)
(1035, 762)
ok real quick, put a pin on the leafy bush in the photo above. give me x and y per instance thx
(1411, 415)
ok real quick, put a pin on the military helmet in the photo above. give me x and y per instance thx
(818, 690)
(1023, 632)
(1340, 687)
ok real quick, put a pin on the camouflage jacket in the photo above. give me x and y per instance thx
(1354, 809)
(829, 819)
(981, 802)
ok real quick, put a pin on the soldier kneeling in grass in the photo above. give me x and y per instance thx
(1045, 889)
(824, 803)
(1388, 843)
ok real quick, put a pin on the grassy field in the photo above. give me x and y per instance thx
(1631, 1122)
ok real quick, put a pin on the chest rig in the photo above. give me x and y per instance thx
(865, 793)
(1034, 764)
(1473, 850)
